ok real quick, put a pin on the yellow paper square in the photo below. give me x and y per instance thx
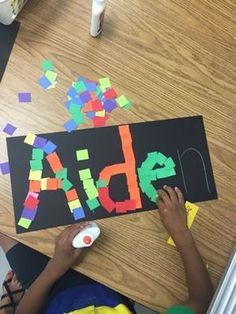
(35, 175)
(30, 138)
(44, 184)
(191, 210)
(101, 113)
(74, 204)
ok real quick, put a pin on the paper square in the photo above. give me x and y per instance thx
(44, 82)
(30, 138)
(49, 147)
(5, 168)
(82, 154)
(37, 153)
(25, 223)
(39, 142)
(9, 129)
(78, 213)
(85, 174)
(85, 97)
(24, 97)
(70, 126)
(47, 65)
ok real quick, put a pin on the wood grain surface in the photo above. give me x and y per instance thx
(173, 58)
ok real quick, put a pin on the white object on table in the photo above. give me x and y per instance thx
(86, 236)
(97, 17)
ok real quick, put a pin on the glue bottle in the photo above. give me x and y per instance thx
(86, 236)
(97, 18)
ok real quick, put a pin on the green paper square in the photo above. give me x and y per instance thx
(169, 163)
(105, 82)
(37, 153)
(82, 154)
(47, 65)
(85, 174)
(93, 203)
(36, 164)
(129, 105)
(88, 183)
(161, 159)
(165, 173)
(101, 183)
(122, 101)
(66, 185)
(62, 174)
(80, 87)
(78, 117)
(74, 108)
(92, 193)
(24, 222)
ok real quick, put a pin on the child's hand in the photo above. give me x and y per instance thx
(172, 212)
(65, 255)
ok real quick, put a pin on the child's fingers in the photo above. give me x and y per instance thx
(179, 195)
(160, 204)
(171, 193)
(164, 196)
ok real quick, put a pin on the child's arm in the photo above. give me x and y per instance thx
(64, 257)
(173, 216)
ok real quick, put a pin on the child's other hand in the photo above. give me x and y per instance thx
(172, 212)
(65, 255)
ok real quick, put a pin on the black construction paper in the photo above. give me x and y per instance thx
(8, 35)
(183, 139)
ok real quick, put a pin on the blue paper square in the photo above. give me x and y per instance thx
(91, 86)
(90, 114)
(77, 101)
(78, 213)
(49, 147)
(44, 82)
(72, 92)
(70, 126)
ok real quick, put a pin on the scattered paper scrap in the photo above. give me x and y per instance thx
(191, 210)
(49, 79)
(9, 129)
(24, 97)
(5, 168)
(95, 101)
(47, 65)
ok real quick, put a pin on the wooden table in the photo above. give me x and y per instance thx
(172, 58)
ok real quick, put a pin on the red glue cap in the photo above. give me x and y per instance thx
(87, 240)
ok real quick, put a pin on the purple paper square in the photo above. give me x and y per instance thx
(44, 82)
(24, 97)
(49, 147)
(29, 214)
(39, 142)
(78, 213)
(70, 126)
(5, 168)
(9, 129)
(109, 105)
(85, 97)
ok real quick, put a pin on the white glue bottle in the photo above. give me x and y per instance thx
(86, 236)
(97, 18)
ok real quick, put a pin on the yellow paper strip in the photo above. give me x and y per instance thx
(191, 210)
